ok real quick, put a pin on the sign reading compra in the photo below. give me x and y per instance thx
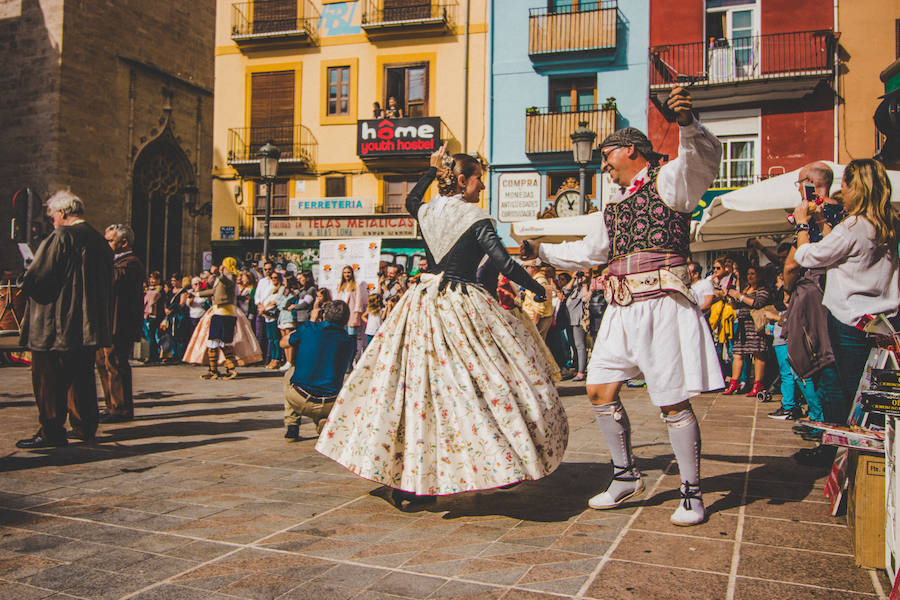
(376, 138)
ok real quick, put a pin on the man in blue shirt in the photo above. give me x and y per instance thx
(323, 352)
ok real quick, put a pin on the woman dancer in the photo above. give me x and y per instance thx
(451, 396)
(223, 327)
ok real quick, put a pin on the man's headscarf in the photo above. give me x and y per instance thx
(629, 136)
(230, 264)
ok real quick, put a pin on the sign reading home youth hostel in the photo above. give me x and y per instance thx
(519, 196)
(339, 227)
(377, 138)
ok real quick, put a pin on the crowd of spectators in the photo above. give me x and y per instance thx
(275, 300)
(811, 355)
(794, 326)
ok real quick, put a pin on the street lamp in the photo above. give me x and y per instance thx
(582, 149)
(268, 170)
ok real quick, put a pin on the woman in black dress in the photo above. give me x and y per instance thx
(453, 394)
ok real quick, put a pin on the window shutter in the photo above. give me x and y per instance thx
(272, 111)
(274, 15)
(897, 37)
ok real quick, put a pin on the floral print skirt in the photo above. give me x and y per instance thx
(452, 395)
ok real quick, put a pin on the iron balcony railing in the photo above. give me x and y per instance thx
(298, 146)
(588, 27)
(548, 129)
(747, 58)
(262, 20)
(393, 14)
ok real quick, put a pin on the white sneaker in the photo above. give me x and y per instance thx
(690, 510)
(606, 500)
(284, 367)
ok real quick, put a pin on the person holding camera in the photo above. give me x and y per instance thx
(862, 270)
(652, 325)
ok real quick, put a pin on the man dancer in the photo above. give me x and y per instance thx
(67, 318)
(652, 325)
(127, 320)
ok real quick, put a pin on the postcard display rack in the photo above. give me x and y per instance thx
(879, 392)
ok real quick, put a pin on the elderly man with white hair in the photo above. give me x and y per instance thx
(67, 319)
(127, 319)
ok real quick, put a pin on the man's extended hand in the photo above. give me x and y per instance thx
(679, 102)
(529, 249)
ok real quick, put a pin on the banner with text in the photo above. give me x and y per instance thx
(339, 227)
(362, 256)
(519, 196)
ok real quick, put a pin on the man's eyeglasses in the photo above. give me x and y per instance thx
(799, 184)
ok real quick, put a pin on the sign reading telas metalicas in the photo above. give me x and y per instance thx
(376, 138)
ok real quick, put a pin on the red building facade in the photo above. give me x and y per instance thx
(761, 74)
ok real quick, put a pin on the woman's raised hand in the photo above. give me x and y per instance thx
(437, 157)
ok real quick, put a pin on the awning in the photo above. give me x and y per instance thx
(562, 229)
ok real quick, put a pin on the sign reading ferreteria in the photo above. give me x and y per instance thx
(331, 206)
(340, 227)
(519, 196)
(378, 138)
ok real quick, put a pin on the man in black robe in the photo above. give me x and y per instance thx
(67, 318)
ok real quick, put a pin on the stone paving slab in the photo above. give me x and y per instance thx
(200, 497)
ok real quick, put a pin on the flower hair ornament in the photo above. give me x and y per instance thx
(446, 177)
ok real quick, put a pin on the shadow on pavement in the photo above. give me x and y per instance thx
(778, 480)
(202, 412)
(88, 453)
(185, 428)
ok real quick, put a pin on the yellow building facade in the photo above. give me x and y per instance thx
(306, 75)
(869, 42)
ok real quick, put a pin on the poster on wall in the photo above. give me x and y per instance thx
(362, 255)
(519, 196)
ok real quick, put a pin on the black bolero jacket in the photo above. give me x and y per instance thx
(461, 262)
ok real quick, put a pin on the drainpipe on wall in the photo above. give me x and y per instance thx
(465, 140)
(489, 98)
(837, 82)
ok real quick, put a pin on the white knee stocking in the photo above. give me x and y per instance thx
(684, 434)
(613, 422)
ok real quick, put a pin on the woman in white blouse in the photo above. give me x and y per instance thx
(862, 267)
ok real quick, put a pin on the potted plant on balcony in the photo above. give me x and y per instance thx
(610, 104)
(532, 111)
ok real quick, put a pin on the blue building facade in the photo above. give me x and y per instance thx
(553, 65)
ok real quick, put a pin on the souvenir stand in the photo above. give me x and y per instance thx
(864, 475)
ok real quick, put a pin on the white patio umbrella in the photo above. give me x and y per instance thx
(759, 209)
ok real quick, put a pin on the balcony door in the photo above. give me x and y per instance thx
(395, 191)
(274, 15)
(401, 10)
(409, 85)
(272, 111)
(573, 94)
(732, 33)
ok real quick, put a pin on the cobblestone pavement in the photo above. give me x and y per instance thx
(200, 497)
